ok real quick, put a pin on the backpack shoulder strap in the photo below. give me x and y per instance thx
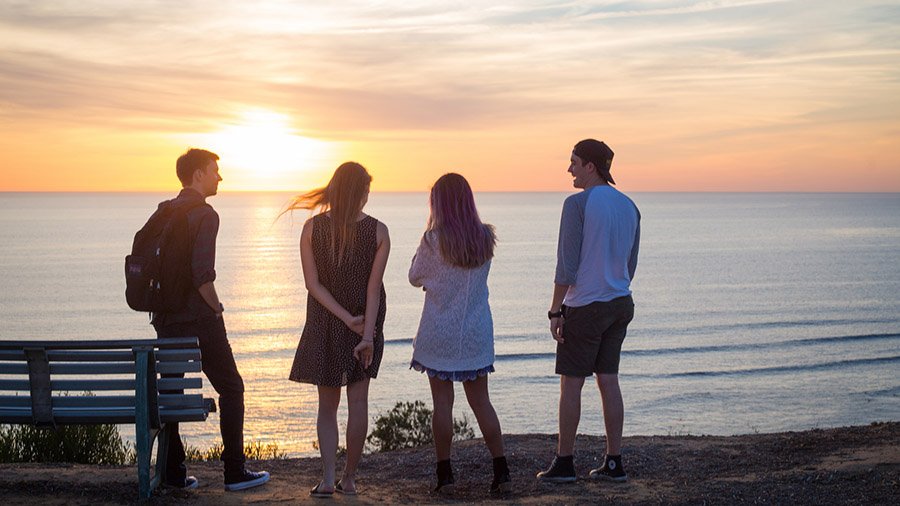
(183, 207)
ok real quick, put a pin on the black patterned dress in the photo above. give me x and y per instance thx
(325, 353)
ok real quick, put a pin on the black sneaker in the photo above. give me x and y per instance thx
(562, 470)
(612, 470)
(247, 479)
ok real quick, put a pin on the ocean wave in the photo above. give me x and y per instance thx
(725, 328)
(660, 352)
(758, 346)
(716, 348)
(813, 322)
(504, 357)
(396, 342)
(887, 392)
(822, 366)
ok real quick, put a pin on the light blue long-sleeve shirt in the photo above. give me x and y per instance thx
(599, 238)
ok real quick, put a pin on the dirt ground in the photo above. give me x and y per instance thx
(852, 465)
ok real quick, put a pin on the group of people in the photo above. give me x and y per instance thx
(344, 253)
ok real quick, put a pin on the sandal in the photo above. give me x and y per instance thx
(315, 492)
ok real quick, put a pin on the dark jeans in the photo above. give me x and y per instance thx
(220, 369)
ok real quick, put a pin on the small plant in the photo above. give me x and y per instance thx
(254, 450)
(192, 453)
(80, 444)
(408, 425)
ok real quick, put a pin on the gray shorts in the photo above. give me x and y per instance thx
(593, 337)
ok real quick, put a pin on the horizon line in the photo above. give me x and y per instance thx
(843, 192)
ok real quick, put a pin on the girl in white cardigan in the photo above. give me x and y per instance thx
(455, 341)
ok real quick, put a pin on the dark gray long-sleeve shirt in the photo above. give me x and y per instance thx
(203, 224)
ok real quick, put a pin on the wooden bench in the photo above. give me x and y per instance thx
(124, 377)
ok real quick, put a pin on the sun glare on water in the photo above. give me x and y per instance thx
(261, 151)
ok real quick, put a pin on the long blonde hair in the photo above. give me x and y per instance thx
(343, 197)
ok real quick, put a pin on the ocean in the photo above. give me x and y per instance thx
(754, 312)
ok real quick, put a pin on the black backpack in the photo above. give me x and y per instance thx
(158, 270)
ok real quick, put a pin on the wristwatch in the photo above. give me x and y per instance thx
(551, 315)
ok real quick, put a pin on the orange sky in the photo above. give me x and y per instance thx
(735, 95)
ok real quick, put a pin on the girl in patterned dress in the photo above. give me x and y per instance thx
(343, 252)
(455, 341)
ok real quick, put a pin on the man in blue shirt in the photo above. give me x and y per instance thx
(596, 260)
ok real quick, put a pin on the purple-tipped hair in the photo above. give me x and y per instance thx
(462, 238)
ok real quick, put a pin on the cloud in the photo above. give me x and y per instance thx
(360, 67)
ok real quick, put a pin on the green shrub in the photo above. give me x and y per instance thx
(80, 444)
(409, 425)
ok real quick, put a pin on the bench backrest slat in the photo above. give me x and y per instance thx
(99, 384)
(21, 401)
(108, 401)
(6, 368)
(117, 415)
(85, 403)
(102, 368)
(163, 355)
(122, 344)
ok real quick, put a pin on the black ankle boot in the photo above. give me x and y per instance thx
(502, 482)
(445, 481)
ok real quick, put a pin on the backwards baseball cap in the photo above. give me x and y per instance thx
(598, 153)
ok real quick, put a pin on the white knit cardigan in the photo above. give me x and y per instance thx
(456, 332)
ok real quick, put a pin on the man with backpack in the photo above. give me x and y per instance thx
(195, 310)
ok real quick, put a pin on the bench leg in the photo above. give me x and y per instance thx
(162, 453)
(144, 444)
(146, 483)
(143, 430)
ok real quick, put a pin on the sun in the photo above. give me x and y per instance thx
(261, 151)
